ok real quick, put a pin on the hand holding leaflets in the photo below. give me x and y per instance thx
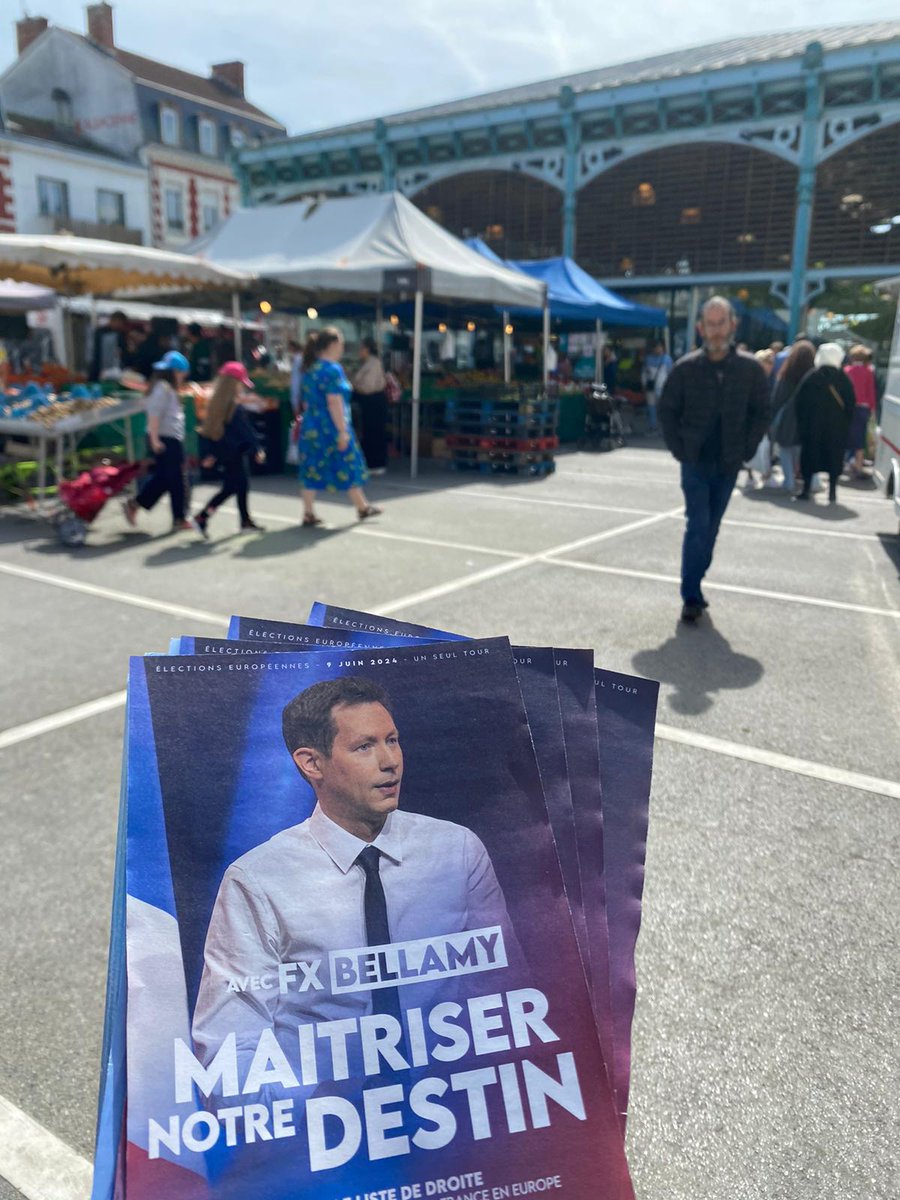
(379, 931)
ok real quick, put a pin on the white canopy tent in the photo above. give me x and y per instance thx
(376, 245)
(80, 266)
(18, 297)
(76, 266)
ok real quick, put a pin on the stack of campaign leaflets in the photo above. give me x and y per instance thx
(377, 895)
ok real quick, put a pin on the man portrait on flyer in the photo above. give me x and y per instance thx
(359, 872)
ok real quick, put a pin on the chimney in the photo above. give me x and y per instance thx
(231, 74)
(100, 25)
(27, 30)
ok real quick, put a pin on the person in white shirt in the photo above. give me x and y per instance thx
(296, 352)
(654, 374)
(357, 873)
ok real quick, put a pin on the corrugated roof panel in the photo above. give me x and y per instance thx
(694, 60)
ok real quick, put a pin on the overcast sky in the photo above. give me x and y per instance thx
(313, 65)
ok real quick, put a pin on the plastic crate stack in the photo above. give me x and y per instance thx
(512, 432)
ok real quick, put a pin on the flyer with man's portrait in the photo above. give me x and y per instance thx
(352, 966)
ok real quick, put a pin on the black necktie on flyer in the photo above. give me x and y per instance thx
(384, 999)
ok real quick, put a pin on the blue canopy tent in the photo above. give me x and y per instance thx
(573, 295)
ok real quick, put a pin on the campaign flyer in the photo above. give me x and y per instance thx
(351, 620)
(536, 670)
(255, 630)
(626, 712)
(575, 815)
(351, 965)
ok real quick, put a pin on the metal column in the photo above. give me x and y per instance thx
(806, 186)
(598, 351)
(570, 192)
(507, 350)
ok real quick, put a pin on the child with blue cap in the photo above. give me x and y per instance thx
(165, 438)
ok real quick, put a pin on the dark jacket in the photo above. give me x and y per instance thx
(699, 392)
(238, 439)
(825, 402)
(783, 429)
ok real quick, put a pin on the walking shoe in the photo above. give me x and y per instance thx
(183, 525)
(691, 612)
(130, 511)
(249, 524)
(704, 603)
(369, 511)
(199, 524)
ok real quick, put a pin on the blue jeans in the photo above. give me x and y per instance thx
(707, 491)
(788, 456)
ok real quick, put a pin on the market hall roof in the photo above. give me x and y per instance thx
(715, 56)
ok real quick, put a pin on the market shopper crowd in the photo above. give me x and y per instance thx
(723, 408)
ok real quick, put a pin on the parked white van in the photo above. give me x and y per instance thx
(887, 449)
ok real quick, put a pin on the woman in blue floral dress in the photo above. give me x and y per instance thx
(330, 456)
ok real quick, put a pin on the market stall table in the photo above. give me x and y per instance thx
(73, 428)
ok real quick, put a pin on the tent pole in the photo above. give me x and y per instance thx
(416, 384)
(507, 350)
(546, 364)
(598, 351)
(379, 324)
(238, 333)
(693, 312)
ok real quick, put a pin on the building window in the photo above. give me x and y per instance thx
(207, 136)
(110, 207)
(62, 106)
(175, 209)
(644, 195)
(238, 137)
(53, 197)
(168, 126)
(209, 211)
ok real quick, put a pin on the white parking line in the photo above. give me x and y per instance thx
(804, 529)
(92, 589)
(763, 593)
(57, 720)
(36, 1162)
(373, 531)
(781, 762)
(465, 581)
(501, 494)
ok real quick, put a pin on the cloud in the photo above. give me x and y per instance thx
(313, 66)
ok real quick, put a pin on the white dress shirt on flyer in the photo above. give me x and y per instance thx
(300, 895)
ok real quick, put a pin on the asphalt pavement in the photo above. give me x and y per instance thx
(765, 1059)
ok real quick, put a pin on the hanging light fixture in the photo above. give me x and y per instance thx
(265, 307)
(508, 330)
(312, 313)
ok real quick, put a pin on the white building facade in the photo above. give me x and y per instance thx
(48, 187)
(174, 129)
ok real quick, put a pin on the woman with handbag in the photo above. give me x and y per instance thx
(783, 430)
(228, 438)
(825, 404)
(330, 457)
